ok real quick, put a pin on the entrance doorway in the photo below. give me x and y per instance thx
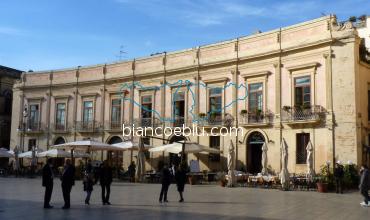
(115, 156)
(254, 152)
(58, 162)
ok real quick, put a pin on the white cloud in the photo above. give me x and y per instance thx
(11, 31)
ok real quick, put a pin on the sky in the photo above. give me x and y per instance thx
(53, 34)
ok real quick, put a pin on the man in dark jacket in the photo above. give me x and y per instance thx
(47, 182)
(105, 177)
(166, 181)
(338, 176)
(68, 180)
(365, 185)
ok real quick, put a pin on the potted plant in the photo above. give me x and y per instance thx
(286, 108)
(324, 179)
(222, 179)
(259, 115)
(350, 177)
(322, 184)
(244, 112)
(202, 115)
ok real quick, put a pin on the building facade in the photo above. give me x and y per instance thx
(303, 84)
(8, 76)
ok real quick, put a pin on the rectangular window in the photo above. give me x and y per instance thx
(214, 142)
(146, 111)
(34, 118)
(302, 91)
(215, 102)
(88, 111)
(61, 113)
(255, 97)
(116, 113)
(178, 108)
(301, 152)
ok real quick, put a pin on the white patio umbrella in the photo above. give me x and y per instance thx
(5, 153)
(176, 148)
(284, 174)
(86, 145)
(140, 164)
(61, 154)
(231, 165)
(129, 145)
(163, 148)
(264, 159)
(29, 154)
(310, 171)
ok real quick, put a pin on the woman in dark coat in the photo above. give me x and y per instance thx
(180, 177)
(88, 182)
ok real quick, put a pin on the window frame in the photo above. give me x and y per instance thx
(302, 149)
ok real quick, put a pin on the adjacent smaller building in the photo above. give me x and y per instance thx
(8, 76)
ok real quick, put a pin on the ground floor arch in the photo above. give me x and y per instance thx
(254, 143)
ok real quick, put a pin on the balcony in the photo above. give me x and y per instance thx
(113, 126)
(256, 119)
(60, 128)
(302, 114)
(216, 121)
(88, 126)
(148, 122)
(31, 127)
(178, 122)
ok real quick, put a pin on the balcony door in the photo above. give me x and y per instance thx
(146, 111)
(60, 116)
(302, 92)
(88, 114)
(116, 113)
(34, 118)
(178, 108)
(255, 98)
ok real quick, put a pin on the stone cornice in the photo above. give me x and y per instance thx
(303, 66)
(217, 80)
(256, 74)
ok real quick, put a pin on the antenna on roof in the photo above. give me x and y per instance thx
(121, 52)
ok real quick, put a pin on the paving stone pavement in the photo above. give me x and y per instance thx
(21, 198)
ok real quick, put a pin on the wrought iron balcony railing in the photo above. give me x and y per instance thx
(178, 122)
(259, 118)
(147, 122)
(88, 126)
(60, 128)
(302, 113)
(31, 127)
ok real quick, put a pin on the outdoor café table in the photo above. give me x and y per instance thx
(152, 177)
(253, 180)
(196, 177)
(211, 177)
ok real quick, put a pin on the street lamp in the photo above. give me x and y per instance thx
(22, 129)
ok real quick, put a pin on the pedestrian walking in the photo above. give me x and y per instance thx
(106, 178)
(132, 171)
(48, 183)
(88, 182)
(180, 177)
(338, 176)
(166, 181)
(68, 180)
(365, 185)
